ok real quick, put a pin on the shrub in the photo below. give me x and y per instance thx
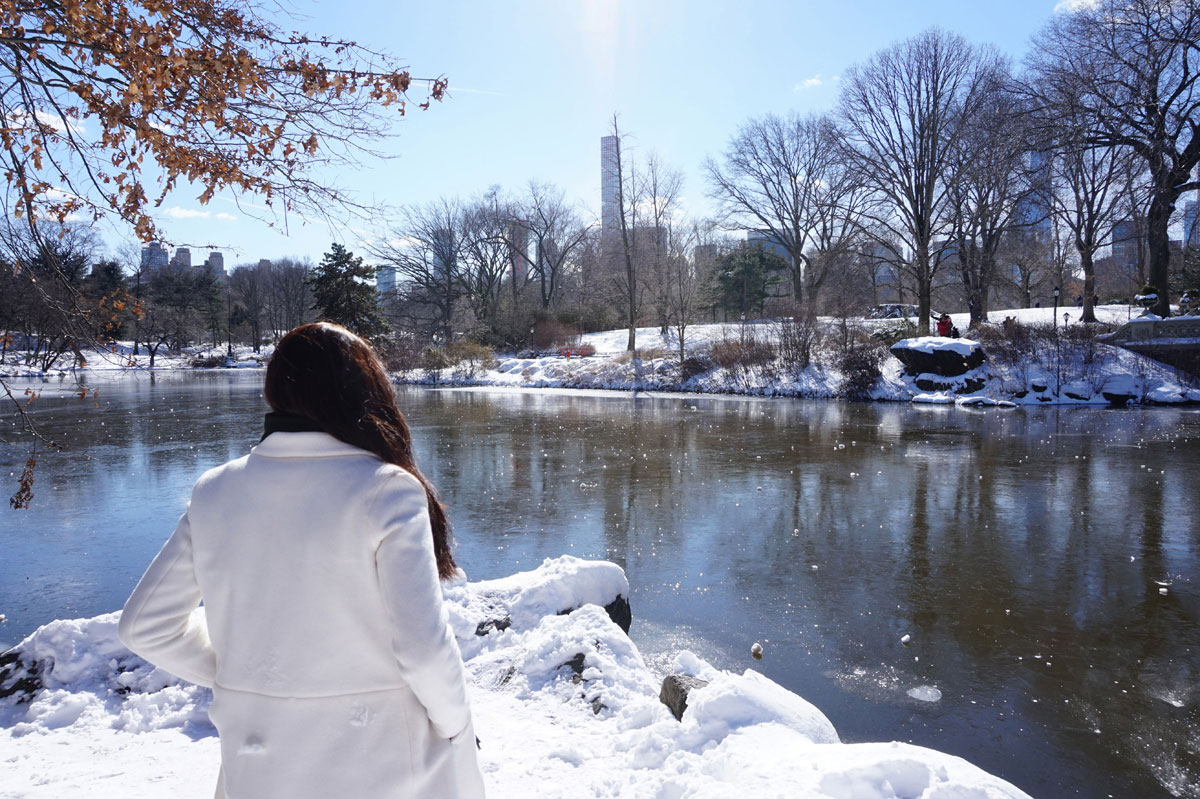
(747, 352)
(890, 334)
(1066, 352)
(694, 365)
(434, 358)
(798, 337)
(469, 358)
(401, 353)
(550, 333)
(648, 354)
(1189, 302)
(471, 351)
(861, 365)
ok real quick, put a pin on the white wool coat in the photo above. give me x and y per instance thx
(323, 635)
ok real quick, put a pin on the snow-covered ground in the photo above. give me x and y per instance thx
(611, 342)
(107, 725)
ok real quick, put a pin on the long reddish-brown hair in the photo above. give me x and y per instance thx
(330, 376)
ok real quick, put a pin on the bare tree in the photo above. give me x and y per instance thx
(485, 259)
(1127, 70)
(689, 279)
(46, 265)
(248, 284)
(289, 297)
(771, 177)
(425, 249)
(667, 241)
(554, 229)
(987, 189)
(627, 280)
(1090, 202)
(901, 115)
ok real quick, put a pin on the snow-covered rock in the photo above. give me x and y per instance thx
(947, 357)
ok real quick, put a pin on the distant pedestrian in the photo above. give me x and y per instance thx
(944, 325)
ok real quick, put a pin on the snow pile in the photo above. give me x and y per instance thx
(564, 705)
(931, 344)
(558, 585)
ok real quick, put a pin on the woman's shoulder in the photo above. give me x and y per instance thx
(388, 477)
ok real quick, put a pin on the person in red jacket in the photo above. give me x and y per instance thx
(944, 326)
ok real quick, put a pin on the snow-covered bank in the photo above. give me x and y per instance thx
(121, 358)
(1028, 368)
(564, 705)
(1063, 374)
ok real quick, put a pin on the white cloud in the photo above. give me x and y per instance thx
(1071, 6)
(814, 82)
(179, 212)
(18, 118)
(176, 212)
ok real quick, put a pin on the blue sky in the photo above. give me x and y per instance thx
(534, 83)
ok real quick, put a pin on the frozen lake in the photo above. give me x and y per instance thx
(1024, 554)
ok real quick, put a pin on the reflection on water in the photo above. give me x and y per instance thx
(1024, 553)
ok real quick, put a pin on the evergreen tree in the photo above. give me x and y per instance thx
(343, 294)
(744, 274)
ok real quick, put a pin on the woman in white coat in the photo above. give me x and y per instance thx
(317, 558)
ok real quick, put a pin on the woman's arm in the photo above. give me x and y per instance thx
(422, 640)
(160, 621)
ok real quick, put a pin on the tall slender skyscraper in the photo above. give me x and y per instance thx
(610, 176)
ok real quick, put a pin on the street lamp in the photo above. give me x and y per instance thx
(1056, 291)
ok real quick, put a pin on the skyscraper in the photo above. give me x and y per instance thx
(766, 239)
(154, 257)
(610, 177)
(1191, 233)
(518, 236)
(215, 262)
(1127, 242)
(385, 279)
(1034, 209)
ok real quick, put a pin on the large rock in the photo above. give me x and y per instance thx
(947, 357)
(675, 690)
(18, 678)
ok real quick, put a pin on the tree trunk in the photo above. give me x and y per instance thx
(923, 288)
(1089, 284)
(1157, 220)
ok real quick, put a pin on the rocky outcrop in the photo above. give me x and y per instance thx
(675, 690)
(18, 678)
(933, 355)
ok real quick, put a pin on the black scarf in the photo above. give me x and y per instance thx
(280, 422)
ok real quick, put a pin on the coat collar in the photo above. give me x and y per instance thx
(306, 445)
